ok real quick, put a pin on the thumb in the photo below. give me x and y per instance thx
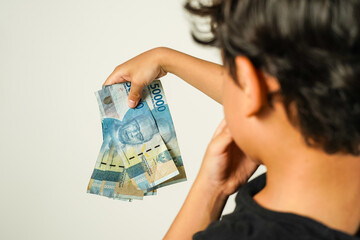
(135, 94)
(220, 128)
(221, 139)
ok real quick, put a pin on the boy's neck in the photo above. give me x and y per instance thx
(301, 179)
(316, 185)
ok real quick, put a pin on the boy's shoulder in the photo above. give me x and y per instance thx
(251, 221)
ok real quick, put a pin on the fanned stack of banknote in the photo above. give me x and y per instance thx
(140, 152)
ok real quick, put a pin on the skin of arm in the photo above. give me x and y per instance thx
(202, 206)
(155, 63)
(203, 75)
(224, 169)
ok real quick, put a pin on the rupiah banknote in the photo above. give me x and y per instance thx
(154, 96)
(135, 134)
(140, 151)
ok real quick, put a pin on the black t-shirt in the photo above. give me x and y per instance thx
(251, 221)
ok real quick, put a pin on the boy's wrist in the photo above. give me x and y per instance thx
(212, 196)
(210, 189)
(167, 59)
(162, 57)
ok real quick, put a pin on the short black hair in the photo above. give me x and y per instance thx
(312, 47)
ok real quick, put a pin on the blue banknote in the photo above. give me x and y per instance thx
(154, 96)
(140, 151)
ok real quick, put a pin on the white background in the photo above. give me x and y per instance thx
(53, 56)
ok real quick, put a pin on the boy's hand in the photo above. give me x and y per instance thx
(140, 71)
(224, 165)
(224, 169)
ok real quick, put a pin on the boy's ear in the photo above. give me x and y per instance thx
(252, 85)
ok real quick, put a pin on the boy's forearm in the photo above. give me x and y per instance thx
(203, 205)
(203, 75)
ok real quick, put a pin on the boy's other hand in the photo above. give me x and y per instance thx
(225, 166)
(140, 71)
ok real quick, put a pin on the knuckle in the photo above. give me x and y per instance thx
(117, 68)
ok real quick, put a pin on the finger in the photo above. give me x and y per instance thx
(135, 94)
(116, 77)
(220, 128)
(222, 137)
(220, 143)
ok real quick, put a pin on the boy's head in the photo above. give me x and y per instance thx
(305, 53)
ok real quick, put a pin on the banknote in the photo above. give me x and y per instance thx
(135, 137)
(96, 182)
(121, 187)
(118, 185)
(112, 167)
(140, 152)
(102, 179)
(154, 96)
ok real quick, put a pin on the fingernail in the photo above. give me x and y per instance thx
(131, 103)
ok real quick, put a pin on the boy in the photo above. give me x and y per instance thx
(290, 89)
